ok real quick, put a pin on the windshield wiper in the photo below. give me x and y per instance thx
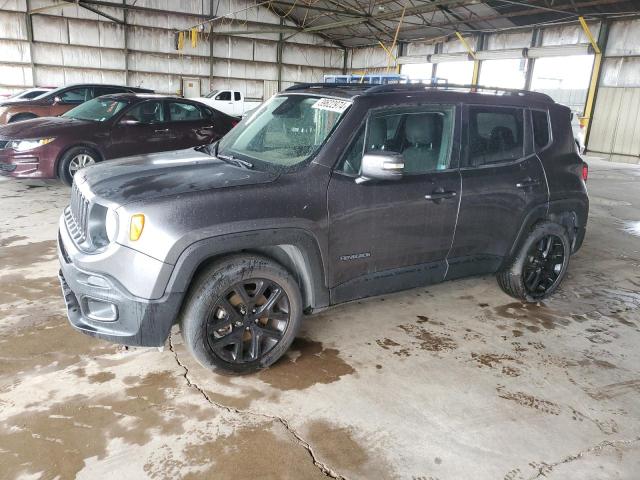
(235, 161)
(212, 150)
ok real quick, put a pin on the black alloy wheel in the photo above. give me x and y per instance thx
(248, 320)
(539, 265)
(542, 269)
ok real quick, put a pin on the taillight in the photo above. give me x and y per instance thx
(585, 171)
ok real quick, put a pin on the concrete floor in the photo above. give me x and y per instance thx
(453, 381)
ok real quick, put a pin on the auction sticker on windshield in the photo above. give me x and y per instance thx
(331, 104)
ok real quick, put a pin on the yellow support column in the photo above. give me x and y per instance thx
(589, 106)
(476, 62)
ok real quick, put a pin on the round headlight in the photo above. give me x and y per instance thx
(111, 224)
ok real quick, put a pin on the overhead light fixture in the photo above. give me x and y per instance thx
(412, 59)
(506, 54)
(449, 57)
(560, 51)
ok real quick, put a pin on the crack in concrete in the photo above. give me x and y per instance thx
(327, 471)
(546, 468)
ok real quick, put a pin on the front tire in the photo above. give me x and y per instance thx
(540, 265)
(22, 116)
(75, 159)
(241, 314)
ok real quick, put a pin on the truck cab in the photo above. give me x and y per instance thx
(231, 102)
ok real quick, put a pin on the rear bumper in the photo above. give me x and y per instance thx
(100, 306)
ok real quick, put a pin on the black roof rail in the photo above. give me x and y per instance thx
(371, 88)
(399, 87)
(303, 86)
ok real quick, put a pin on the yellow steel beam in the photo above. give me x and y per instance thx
(587, 31)
(476, 62)
(466, 45)
(395, 39)
(591, 95)
(595, 74)
(392, 57)
(476, 72)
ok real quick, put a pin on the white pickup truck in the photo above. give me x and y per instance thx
(230, 102)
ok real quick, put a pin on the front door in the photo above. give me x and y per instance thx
(391, 235)
(224, 102)
(502, 180)
(68, 99)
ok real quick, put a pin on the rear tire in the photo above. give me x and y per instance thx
(540, 265)
(241, 314)
(73, 160)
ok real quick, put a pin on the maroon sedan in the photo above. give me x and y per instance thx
(107, 127)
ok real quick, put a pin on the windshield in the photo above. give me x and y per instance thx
(211, 94)
(285, 131)
(97, 110)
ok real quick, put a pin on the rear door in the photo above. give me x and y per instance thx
(502, 180)
(190, 124)
(391, 235)
(141, 129)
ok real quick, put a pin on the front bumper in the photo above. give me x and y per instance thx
(100, 306)
(38, 163)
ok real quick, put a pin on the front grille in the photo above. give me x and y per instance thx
(77, 215)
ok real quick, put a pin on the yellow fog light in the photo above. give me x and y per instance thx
(137, 225)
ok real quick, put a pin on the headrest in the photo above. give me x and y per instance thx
(377, 134)
(420, 129)
(502, 138)
(149, 108)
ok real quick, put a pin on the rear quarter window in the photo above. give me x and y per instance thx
(541, 131)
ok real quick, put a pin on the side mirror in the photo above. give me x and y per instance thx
(57, 100)
(381, 166)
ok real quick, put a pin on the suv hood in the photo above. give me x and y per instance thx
(41, 127)
(161, 174)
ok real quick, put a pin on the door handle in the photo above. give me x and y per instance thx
(527, 183)
(439, 195)
(162, 130)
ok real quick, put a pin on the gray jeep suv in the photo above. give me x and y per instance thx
(323, 195)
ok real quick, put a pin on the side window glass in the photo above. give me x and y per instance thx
(224, 96)
(541, 135)
(352, 158)
(99, 91)
(495, 135)
(236, 96)
(423, 136)
(75, 96)
(184, 112)
(146, 112)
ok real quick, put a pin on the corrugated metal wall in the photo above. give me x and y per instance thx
(71, 45)
(615, 129)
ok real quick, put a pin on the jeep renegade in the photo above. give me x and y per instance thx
(324, 194)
